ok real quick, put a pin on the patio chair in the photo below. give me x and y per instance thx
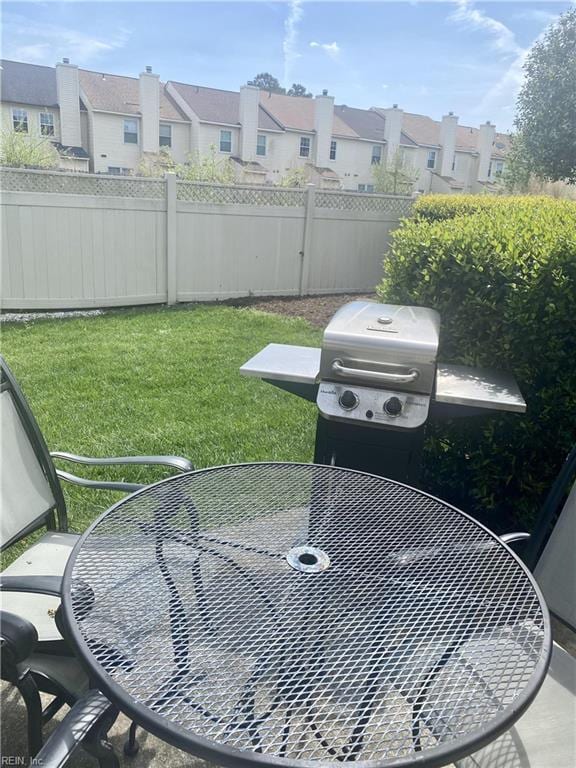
(545, 735)
(31, 498)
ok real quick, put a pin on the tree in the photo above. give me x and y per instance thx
(18, 150)
(516, 176)
(156, 164)
(296, 177)
(299, 90)
(546, 107)
(394, 176)
(267, 82)
(206, 168)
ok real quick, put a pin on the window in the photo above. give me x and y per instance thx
(304, 146)
(376, 154)
(490, 169)
(261, 145)
(499, 167)
(332, 150)
(366, 188)
(431, 160)
(20, 120)
(130, 132)
(114, 170)
(165, 135)
(46, 123)
(225, 141)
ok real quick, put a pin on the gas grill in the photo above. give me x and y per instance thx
(377, 383)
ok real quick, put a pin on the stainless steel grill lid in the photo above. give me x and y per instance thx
(306, 613)
(382, 345)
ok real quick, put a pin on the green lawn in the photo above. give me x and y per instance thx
(159, 381)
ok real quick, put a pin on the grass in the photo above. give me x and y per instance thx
(158, 381)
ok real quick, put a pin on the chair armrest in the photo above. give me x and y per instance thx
(509, 538)
(39, 585)
(73, 729)
(103, 485)
(18, 636)
(177, 462)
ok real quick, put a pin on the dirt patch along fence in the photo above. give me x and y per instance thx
(77, 241)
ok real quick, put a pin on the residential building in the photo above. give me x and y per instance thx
(130, 117)
(108, 123)
(44, 103)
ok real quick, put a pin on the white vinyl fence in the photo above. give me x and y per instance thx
(72, 241)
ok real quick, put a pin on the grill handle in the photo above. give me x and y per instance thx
(392, 378)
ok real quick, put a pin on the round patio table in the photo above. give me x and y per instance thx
(301, 615)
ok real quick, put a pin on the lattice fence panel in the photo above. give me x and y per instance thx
(395, 206)
(80, 184)
(220, 194)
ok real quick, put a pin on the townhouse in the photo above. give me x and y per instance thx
(107, 123)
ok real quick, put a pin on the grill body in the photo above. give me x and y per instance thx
(377, 382)
(377, 375)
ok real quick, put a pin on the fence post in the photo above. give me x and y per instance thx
(171, 239)
(306, 252)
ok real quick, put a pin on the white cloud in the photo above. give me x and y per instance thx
(43, 43)
(537, 15)
(385, 85)
(501, 97)
(290, 38)
(332, 49)
(501, 37)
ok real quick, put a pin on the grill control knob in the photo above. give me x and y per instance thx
(348, 400)
(393, 406)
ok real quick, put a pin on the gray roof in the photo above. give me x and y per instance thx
(28, 84)
(215, 106)
(364, 122)
(367, 123)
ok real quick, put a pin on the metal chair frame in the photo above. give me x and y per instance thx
(21, 672)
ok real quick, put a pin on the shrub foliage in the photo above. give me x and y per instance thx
(502, 274)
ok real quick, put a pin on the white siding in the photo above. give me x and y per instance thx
(108, 140)
(33, 119)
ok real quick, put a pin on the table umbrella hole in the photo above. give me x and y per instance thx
(307, 559)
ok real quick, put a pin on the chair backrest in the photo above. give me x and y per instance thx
(552, 550)
(30, 492)
(555, 570)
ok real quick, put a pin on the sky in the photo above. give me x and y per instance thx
(428, 57)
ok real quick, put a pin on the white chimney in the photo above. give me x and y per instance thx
(323, 124)
(448, 142)
(486, 136)
(150, 110)
(249, 111)
(392, 128)
(68, 90)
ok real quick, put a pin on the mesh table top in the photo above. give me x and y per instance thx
(289, 614)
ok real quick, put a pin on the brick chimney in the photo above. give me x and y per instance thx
(448, 142)
(323, 123)
(392, 128)
(150, 110)
(68, 90)
(249, 111)
(486, 136)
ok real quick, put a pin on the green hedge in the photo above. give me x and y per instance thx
(502, 274)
